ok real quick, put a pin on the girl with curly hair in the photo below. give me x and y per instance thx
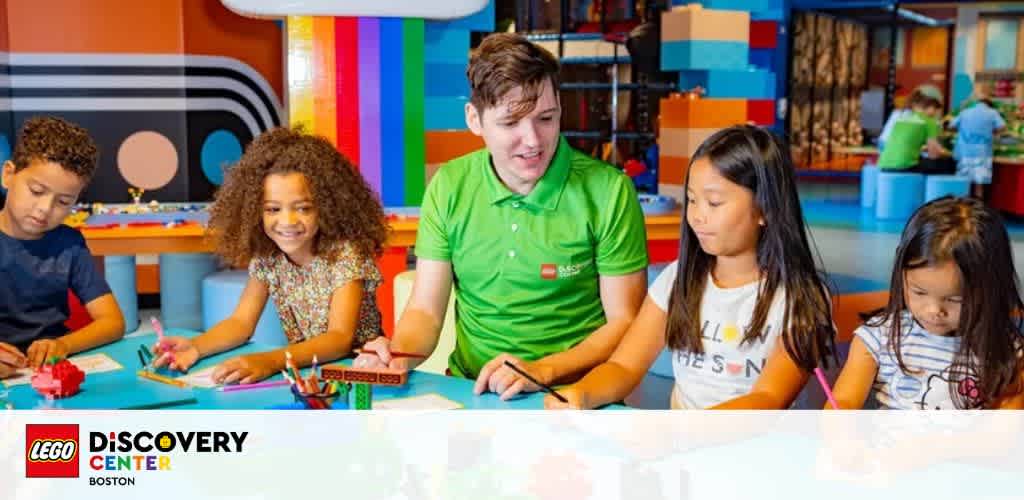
(309, 228)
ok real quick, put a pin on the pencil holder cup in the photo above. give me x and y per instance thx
(322, 401)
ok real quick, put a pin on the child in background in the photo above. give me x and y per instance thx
(977, 126)
(951, 335)
(743, 309)
(40, 258)
(910, 130)
(309, 227)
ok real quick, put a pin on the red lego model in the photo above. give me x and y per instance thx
(57, 379)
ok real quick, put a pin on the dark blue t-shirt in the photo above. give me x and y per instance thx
(35, 276)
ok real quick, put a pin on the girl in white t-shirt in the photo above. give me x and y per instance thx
(743, 309)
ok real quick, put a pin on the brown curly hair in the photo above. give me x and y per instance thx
(347, 207)
(52, 139)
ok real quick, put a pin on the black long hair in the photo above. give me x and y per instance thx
(755, 159)
(971, 235)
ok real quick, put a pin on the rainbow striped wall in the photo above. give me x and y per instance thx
(360, 83)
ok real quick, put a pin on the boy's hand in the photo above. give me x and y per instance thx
(43, 349)
(176, 353)
(246, 369)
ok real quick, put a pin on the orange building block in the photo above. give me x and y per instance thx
(693, 22)
(681, 112)
(672, 169)
(443, 145)
(682, 142)
(846, 310)
(379, 376)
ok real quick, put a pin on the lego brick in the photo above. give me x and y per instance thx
(773, 14)
(761, 112)
(446, 80)
(704, 54)
(763, 58)
(749, 84)
(747, 5)
(672, 169)
(380, 376)
(445, 113)
(584, 48)
(696, 23)
(682, 142)
(363, 397)
(445, 145)
(445, 45)
(764, 34)
(680, 112)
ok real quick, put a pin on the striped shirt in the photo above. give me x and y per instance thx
(928, 358)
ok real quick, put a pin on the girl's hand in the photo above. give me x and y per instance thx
(246, 369)
(577, 400)
(176, 353)
(11, 359)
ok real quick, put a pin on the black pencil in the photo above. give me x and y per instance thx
(544, 387)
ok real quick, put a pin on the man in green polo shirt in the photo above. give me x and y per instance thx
(545, 246)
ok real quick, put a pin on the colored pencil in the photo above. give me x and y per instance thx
(544, 387)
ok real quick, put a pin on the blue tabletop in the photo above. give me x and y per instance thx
(123, 389)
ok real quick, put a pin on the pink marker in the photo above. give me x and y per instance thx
(159, 329)
(824, 386)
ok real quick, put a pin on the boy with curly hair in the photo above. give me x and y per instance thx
(40, 258)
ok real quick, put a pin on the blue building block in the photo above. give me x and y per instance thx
(704, 54)
(445, 80)
(774, 14)
(937, 186)
(725, 84)
(445, 45)
(868, 185)
(445, 113)
(480, 21)
(898, 195)
(763, 58)
(747, 5)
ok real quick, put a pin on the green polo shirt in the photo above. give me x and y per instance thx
(909, 134)
(526, 267)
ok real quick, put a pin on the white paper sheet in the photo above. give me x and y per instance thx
(89, 363)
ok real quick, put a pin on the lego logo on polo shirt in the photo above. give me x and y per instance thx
(548, 271)
(51, 450)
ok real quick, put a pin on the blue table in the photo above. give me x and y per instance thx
(124, 389)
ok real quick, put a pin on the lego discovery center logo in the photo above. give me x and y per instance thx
(53, 451)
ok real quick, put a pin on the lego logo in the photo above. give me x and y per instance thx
(52, 450)
(548, 271)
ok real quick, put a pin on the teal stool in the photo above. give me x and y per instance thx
(181, 279)
(937, 186)
(868, 185)
(119, 271)
(221, 292)
(899, 194)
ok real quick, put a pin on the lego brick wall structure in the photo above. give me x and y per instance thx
(731, 51)
(363, 83)
(171, 91)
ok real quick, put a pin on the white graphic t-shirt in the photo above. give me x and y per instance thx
(928, 356)
(726, 369)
